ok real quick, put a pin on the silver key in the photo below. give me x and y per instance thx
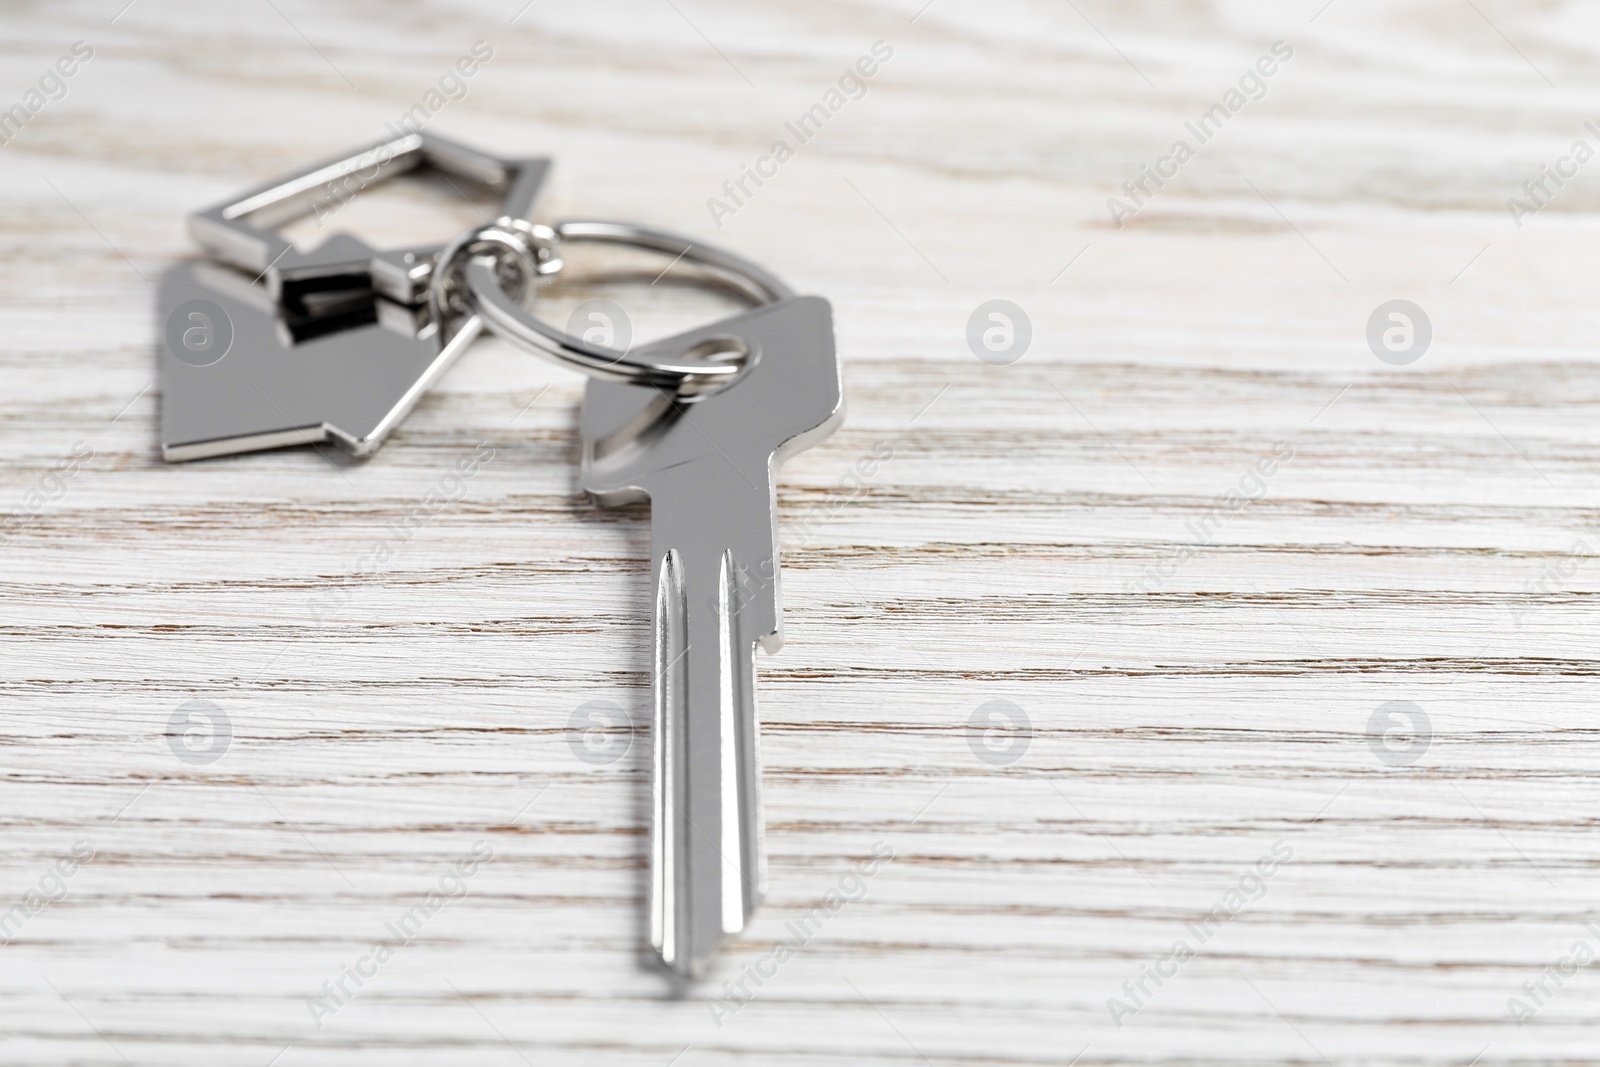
(706, 464)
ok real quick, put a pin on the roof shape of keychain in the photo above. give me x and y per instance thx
(266, 345)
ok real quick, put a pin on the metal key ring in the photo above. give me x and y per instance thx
(483, 295)
(519, 253)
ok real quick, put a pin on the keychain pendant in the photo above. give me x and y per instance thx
(265, 345)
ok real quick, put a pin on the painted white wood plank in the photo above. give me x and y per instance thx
(1196, 701)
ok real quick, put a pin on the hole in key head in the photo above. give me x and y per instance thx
(715, 350)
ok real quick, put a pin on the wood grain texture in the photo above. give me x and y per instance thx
(1195, 705)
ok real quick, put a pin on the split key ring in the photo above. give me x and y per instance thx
(470, 280)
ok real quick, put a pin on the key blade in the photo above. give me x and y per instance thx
(708, 869)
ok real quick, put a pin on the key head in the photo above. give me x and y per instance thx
(640, 442)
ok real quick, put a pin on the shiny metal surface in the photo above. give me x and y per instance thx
(338, 344)
(268, 388)
(508, 319)
(326, 345)
(515, 254)
(239, 232)
(707, 465)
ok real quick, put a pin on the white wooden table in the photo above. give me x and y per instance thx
(1195, 704)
